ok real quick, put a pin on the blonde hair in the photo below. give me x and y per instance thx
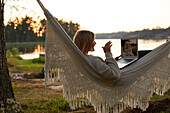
(84, 40)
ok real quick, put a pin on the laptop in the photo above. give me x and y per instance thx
(129, 51)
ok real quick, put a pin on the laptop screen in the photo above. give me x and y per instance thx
(129, 48)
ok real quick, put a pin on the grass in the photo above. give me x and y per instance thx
(24, 44)
(157, 97)
(35, 98)
(23, 66)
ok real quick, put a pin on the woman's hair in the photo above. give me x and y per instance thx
(127, 46)
(84, 40)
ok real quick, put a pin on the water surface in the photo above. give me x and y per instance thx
(115, 49)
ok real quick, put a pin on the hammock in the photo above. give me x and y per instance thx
(83, 85)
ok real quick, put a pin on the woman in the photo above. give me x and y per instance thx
(85, 42)
(127, 49)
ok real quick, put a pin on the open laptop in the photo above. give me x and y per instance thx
(129, 51)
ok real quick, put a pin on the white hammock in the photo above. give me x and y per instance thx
(65, 62)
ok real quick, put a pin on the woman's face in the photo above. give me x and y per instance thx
(93, 44)
(127, 45)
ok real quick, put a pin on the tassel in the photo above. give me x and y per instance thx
(125, 99)
(83, 98)
(86, 97)
(128, 99)
(70, 101)
(72, 106)
(76, 101)
(79, 101)
(99, 106)
(96, 101)
(50, 76)
(107, 108)
(73, 102)
(120, 107)
(135, 101)
(103, 107)
(55, 75)
(115, 109)
(58, 73)
(92, 98)
(111, 109)
(132, 100)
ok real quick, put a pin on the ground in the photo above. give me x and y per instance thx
(34, 97)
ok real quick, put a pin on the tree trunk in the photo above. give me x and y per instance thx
(6, 90)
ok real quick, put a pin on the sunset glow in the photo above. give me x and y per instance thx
(102, 16)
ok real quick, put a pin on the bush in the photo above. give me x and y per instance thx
(12, 106)
(15, 52)
(34, 75)
(39, 60)
(8, 54)
(19, 58)
(56, 105)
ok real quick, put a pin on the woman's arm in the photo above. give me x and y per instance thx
(111, 62)
(108, 68)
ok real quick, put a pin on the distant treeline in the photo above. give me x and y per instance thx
(28, 30)
(155, 33)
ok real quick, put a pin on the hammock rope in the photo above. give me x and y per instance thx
(83, 85)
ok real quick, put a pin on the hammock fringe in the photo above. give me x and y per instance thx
(94, 98)
(83, 85)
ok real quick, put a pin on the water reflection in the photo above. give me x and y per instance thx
(39, 49)
(34, 51)
(27, 48)
(116, 47)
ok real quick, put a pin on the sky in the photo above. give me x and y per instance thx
(99, 16)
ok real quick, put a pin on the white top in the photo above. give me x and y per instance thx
(108, 68)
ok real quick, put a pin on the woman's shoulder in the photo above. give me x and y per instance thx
(94, 58)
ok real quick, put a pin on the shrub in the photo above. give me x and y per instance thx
(15, 52)
(19, 58)
(40, 75)
(12, 107)
(34, 75)
(8, 54)
(38, 60)
(56, 105)
(29, 76)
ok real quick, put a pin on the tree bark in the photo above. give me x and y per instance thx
(6, 90)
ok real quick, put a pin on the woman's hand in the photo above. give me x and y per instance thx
(107, 47)
(117, 58)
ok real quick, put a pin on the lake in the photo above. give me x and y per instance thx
(34, 51)
(39, 49)
(116, 47)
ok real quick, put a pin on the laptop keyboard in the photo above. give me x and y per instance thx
(124, 62)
